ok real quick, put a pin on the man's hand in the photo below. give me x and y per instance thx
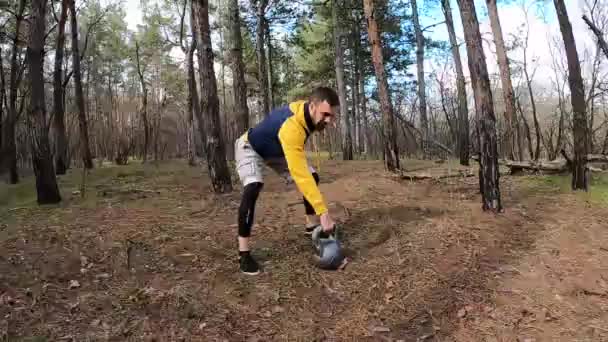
(327, 222)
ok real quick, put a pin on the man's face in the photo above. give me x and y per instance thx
(322, 114)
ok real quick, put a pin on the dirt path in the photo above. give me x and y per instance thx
(157, 262)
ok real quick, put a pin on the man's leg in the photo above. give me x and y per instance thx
(249, 168)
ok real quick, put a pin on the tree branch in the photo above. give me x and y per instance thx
(598, 33)
(433, 25)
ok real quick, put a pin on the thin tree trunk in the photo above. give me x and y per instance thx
(216, 155)
(581, 142)
(463, 111)
(193, 90)
(421, 82)
(269, 64)
(539, 136)
(505, 76)
(347, 143)
(9, 145)
(82, 119)
(46, 183)
(486, 120)
(238, 68)
(261, 53)
(144, 104)
(61, 139)
(363, 136)
(355, 104)
(527, 129)
(2, 103)
(389, 138)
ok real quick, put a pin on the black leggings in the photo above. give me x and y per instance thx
(247, 208)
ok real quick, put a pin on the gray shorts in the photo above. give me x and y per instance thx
(250, 165)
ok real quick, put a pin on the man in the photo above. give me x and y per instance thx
(278, 142)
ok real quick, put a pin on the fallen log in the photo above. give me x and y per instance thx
(426, 175)
(557, 166)
(597, 158)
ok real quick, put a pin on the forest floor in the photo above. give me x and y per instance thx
(149, 254)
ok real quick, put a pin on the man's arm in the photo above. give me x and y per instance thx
(292, 138)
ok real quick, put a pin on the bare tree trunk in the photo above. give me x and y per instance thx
(389, 138)
(269, 64)
(355, 103)
(347, 143)
(486, 120)
(61, 139)
(144, 104)
(46, 183)
(2, 103)
(238, 69)
(519, 137)
(82, 118)
(539, 136)
(216, 155)
(463, 111)
(526, 129)
(421, 82)
(9, 145)
(193, 90)
(505, 75)
(261, 53)
(363, 136)
(581, 148)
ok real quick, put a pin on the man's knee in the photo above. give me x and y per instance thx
(247, 208)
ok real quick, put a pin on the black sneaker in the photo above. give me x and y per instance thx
(249, 265)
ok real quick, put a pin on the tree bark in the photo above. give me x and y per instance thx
(46, 183)
(347, 142)
(61, 139)
(269, 64)
(261, 54)
(196, 104)
(463, 111)
(389, 138)
(424, 125)
(144, 104)
(486, 120)
(505, 75)
(216, 155)
(238, 68)
(363, 137)
(526, 129)
(9, 145)
(581, 148)
(354, 84)
(2, 103)
(191, 93)
(82, 118)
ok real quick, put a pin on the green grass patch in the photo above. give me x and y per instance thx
(598, 190)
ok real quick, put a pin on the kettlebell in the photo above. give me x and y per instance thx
(329, 252)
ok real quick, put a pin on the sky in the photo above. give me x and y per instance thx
(540, 16)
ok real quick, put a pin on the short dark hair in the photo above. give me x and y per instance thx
(320, 94)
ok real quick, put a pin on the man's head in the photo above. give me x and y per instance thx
(323, 106)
